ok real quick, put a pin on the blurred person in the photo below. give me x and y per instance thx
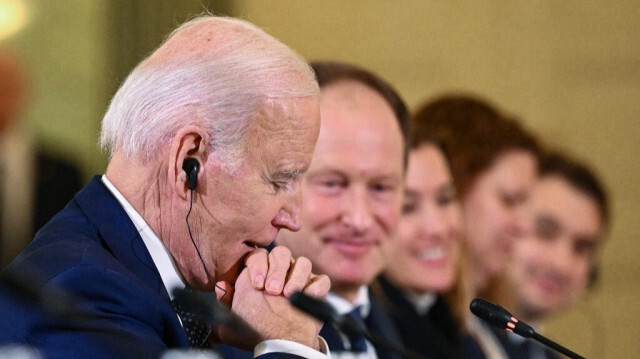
(208, 139)
(423, 287)
(494, 163)
(553, 267)
(353, 197)
(34, 185)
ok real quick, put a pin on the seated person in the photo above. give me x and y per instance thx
(353, 197)
(552, 268)
(423, 287)
(494, 164)
(208, 139)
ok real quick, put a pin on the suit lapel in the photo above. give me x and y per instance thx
(380, 323)
(333, 337)
(118, 233)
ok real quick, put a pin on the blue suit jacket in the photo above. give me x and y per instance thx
(378, 323)
(92, 250)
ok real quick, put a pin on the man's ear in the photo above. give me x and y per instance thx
(187, 159)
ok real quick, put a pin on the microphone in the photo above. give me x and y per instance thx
(500, 318)
(324, 312)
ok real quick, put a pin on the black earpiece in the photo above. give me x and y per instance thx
(191, 167)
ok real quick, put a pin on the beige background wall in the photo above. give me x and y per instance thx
(570, 69)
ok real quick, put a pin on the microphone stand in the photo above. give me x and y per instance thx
(555, 346)
(500, 318)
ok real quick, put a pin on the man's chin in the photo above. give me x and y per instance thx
(353, 279)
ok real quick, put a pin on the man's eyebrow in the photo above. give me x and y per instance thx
(289, 174)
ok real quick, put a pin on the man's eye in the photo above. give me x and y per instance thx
(330, 184)
(546, 228)
(585, 248)
(279, 186)
(446, 198)
(381, 187)
(509, 201)
(512, 200)
(409, 207)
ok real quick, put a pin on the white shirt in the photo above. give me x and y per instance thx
(421, 302)
(343, 306)
(171, 279)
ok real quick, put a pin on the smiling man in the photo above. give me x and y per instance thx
(353, 195)
(553, 267)
(208, 139)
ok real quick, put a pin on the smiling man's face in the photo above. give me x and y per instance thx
(353, 189)
(550, 268)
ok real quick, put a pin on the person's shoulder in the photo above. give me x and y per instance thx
(87, 275)
(60, 245)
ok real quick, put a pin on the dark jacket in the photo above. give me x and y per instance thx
(92, 252)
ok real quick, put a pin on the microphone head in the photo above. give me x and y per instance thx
(489, 312)
(499, 317)
(481, 305)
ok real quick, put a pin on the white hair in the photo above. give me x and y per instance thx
(220, 87)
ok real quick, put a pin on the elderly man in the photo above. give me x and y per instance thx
(552, 268)
(353, 196)
(208, 138)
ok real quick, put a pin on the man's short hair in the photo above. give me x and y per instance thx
(329, 72)
(579, 176)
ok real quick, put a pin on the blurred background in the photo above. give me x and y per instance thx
(569, 69)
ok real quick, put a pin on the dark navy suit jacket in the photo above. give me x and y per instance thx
(434, 334)
(378, 322)
(92, 250)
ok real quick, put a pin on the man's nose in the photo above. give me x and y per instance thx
(522, 221)
(356, 210)
(288, 215)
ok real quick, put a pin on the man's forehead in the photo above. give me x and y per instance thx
(579, 222)
(286, 133)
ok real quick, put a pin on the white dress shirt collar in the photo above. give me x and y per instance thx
(421, 302)
(343, 306)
